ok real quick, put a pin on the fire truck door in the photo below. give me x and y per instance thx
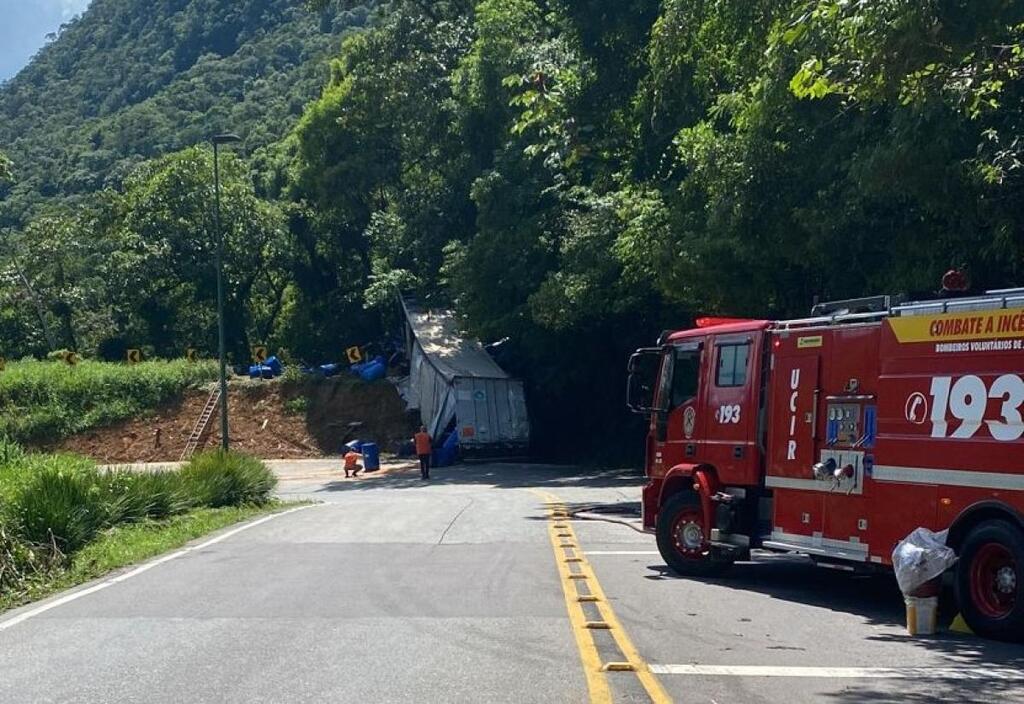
(733, 398)
(680, 429)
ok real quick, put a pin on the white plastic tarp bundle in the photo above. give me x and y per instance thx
(921, 557)
(453, 378)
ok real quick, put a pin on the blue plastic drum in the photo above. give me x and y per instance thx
(373, 371)
(371, 456)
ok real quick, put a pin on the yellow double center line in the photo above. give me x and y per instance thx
(581, 587)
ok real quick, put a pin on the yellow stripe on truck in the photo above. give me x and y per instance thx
(953, 327)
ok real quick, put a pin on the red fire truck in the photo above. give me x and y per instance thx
(837, 435)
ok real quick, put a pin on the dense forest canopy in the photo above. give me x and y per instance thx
(571, 175)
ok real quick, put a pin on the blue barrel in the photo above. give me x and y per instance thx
(373, 371)
(371, 456)
(275, 365)
(260, 371)
(446, 455)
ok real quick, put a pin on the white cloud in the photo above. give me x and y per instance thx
(70, 8)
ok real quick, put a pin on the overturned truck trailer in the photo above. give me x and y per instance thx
(457, 387)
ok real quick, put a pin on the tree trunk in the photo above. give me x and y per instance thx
(51, 341)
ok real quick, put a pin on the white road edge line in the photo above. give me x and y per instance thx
(943, 673)
(145, 567)
(621, 552)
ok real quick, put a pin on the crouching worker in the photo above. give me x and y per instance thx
(352, 463)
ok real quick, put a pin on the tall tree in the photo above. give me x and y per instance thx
(6, 170)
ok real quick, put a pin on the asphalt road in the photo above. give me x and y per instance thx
(397, 590)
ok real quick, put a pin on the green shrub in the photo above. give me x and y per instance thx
(293, 375)
(19, 562)
(10, 451)
(218, 479)
(135, 496)
(123, 503)
(165, 493)
(21, 469)
(12, 474)
(62, 501)
(59, 502)
(298, 405)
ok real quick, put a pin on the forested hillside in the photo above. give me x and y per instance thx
(128, 81)
(106, 207)
(572, 175)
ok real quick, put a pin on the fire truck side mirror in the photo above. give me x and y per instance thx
(641, 383)
(638, 396)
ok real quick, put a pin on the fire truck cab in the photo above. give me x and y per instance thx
(837, 435)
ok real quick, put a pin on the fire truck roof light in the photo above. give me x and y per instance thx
(712, 321)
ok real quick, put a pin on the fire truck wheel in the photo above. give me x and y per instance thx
(681, 539)
(988, 577)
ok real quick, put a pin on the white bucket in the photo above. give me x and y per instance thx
(922, 615)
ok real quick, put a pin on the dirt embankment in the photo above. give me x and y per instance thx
(271, 420)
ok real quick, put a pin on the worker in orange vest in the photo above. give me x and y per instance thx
(423, 449)
(352, 463)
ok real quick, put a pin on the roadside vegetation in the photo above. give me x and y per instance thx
(63, 520)
(43, 402)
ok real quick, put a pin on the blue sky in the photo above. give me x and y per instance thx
(24, 25)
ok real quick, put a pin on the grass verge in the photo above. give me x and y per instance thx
(63, 520)
(44, 402)
(131, 544)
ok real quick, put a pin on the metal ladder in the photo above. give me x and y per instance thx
(200, 427)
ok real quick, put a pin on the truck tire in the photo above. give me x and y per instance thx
(988, 578)
(681, 539)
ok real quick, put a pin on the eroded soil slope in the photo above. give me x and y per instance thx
(271, 420)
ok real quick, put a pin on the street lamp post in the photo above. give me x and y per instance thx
(217, 141)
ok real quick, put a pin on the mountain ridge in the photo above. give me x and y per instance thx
(129, 80)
